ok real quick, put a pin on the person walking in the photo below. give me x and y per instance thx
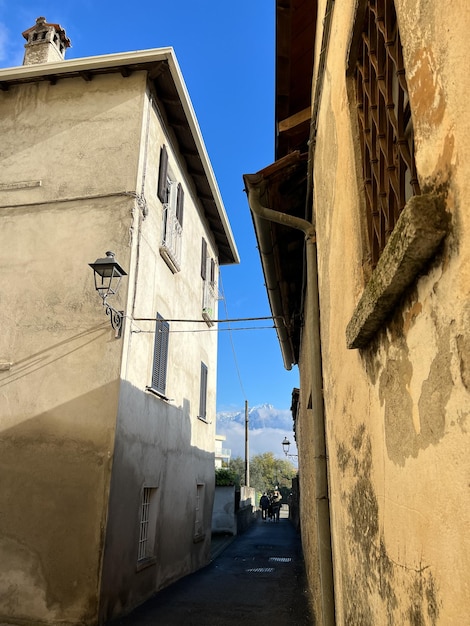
(264, 504)
(276, 504)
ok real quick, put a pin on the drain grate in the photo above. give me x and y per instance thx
(260, 570)
(280, 559)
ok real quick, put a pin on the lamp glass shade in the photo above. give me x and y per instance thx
(107, 274)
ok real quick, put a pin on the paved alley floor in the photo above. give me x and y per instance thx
(259, 577)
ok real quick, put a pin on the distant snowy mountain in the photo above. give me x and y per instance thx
(265, 415)
(267, 427)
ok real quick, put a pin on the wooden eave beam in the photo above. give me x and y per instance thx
(295, 120)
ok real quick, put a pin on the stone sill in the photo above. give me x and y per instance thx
(144, 563)
(170, 258)
(417, 235)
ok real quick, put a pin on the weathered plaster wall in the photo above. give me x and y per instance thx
(223, 512)
(308, 512)
(396, 412)
(59, 397)
(161, 443)
(74, 402)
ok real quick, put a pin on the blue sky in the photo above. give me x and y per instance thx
(226, 54)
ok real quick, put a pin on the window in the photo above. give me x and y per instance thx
(162, 175)
(203, 393)
(204, 259)
(406, 228)
(199, 514)
(148, 518)
(209, 292)
(386, 132)
(171, 194)
(160, 355)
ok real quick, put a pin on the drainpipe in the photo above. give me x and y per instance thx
(252, 183)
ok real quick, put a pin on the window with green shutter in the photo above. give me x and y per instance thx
(160, 355)
(203, 393)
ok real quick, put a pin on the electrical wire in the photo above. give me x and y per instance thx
(231, 339)
(203, 321)
(221, 330)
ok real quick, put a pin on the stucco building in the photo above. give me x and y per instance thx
(363, 226)
(222, 454)
(106, 441)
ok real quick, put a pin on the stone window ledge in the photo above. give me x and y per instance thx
(417, 235)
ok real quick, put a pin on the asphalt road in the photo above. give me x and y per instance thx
(259, 576)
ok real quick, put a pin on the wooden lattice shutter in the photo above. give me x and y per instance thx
(386, 130)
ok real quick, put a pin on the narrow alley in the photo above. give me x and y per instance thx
(259, 575)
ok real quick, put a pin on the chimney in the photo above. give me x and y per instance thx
(45, 43)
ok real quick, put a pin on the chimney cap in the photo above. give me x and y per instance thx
(41, 21)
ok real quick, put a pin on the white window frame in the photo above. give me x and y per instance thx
(172, 230)
(147, 526)
(199, 533)
(209, 288)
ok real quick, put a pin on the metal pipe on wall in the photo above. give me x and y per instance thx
(320, 457)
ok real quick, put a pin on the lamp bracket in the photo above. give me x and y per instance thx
(116, 318)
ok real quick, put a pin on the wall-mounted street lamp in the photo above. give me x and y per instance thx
(286, 446)
(108, 274)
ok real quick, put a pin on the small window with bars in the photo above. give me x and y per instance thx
(148, 518)
(199, 514)
(385, 125)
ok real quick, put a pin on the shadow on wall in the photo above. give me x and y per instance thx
(52, 354)
(153, 450)
(54, 471)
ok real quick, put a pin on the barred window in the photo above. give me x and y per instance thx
(199, 514)
(386, 131)
(146, 544)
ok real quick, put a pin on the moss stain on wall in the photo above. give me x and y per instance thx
(370, 566)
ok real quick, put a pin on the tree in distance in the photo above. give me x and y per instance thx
(266, 472)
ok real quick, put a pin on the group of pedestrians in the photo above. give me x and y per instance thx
(270, 505)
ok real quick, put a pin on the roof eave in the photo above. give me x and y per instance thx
(141, 60)
(275, 227)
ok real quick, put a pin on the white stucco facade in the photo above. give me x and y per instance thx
(82, 437)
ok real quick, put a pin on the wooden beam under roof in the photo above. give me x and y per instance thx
(295, 120)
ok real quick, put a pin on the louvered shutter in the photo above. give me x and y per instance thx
(203, 391)
(162, 175)
(160, 358)
(204, 259)
(180, 205)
